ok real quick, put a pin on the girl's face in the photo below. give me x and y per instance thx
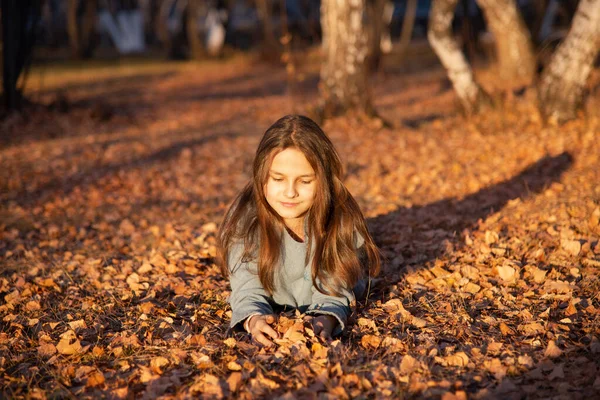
(291, 186)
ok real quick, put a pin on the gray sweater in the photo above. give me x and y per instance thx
(293, 286)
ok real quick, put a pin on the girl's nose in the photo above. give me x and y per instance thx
(290, 191)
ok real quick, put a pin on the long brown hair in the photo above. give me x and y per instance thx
(333, 219)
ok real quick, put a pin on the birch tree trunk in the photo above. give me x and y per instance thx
(441, 39)
(561, 88)
(343, 84)
(514, 50)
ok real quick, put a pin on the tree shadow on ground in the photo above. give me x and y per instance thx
(63, 185)
(421, 234)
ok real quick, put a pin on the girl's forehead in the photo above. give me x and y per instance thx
(291, 161)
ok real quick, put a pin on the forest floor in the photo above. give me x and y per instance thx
(110, 197)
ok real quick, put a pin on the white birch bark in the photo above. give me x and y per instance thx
(514, 50)
(343, 84)
(561, 88)
(471, 96)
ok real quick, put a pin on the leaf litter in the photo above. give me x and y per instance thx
(489, 230)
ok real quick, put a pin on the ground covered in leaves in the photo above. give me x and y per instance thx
(110, 198)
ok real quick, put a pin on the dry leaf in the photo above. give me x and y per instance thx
(69, 344)
(96, 378)
(552, 351)
(408, 365)
(459, 359)
(233, 366)
(46, 350)
(157, 364)
(531, 329)
(557, 373)
(573, 247)
(370, 341)
(234, 381)
(507, 273)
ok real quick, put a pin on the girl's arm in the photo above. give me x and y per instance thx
(248, 297)
(338, 307)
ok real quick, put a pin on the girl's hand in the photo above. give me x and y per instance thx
(322, 325)
(259, 325)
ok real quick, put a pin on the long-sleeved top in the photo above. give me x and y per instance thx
(293, 286)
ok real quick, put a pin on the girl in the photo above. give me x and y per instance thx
(295, 237)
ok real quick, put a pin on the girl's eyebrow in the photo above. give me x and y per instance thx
(301, 176)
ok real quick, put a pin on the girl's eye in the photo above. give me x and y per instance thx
(277, 179)
(306, 182)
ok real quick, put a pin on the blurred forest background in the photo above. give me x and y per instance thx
(468, 131)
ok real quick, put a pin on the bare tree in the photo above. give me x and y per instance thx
(270, 45)
(561, 88)
(343, 83)
(440, 36)
(81, 33)
(375, 28)
(194, 40)
(514, 50)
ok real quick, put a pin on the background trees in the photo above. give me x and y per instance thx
(354, 40)
(561, 89)
(560, 92)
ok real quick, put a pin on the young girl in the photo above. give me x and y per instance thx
(295, 238)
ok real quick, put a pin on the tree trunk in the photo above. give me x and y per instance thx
(81, 35)
(561, 88)
(72, 28)
(439, 33)
(270, 45)
(194, 41)
(343, 84)
(408, 23)
(514, 51)
(375, 29)
(20, 20)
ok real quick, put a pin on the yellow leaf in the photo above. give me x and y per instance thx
(69, 344)
(96, 378)
(552, 351)
(230, 342)
(157, 363)
(408, 365)
(459, 359)
(573, 247)
(234, 381)
(233, 366)
(79, 324)
(531, 329)
(506, 273)
(370, 341)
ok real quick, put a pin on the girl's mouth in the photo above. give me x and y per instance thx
(289, 205)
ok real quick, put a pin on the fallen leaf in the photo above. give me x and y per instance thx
(46, 350)
(557, 373)
(506, 273)
(552, 350)
(234, 381)
(459, 359)
(531, 329)
(408, 365)
(233, 366)
(573, 247)
(157, 364)
(370, 341)
(69, 344)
